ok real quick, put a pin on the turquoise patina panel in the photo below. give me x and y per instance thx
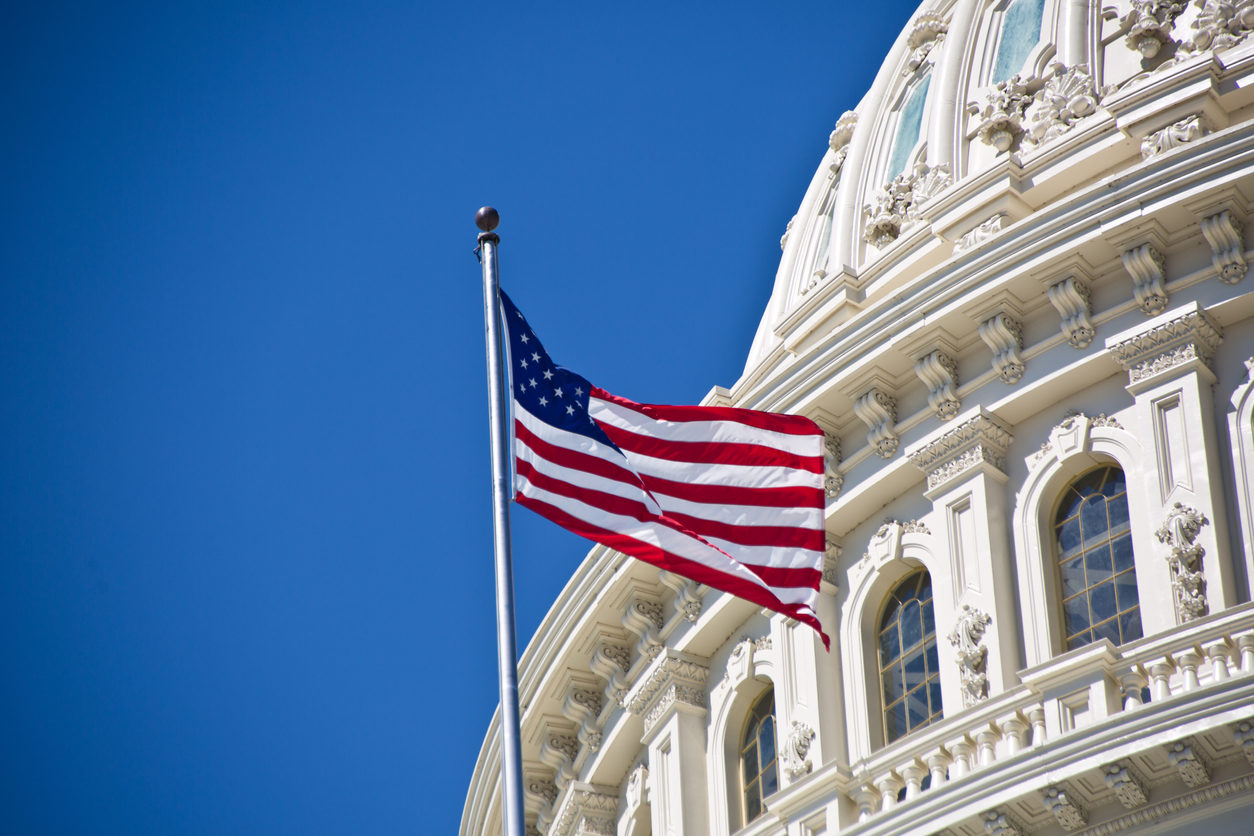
(908, 128)
(1020, 31)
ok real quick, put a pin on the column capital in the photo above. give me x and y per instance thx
(1178, 341)
(977, 439)
(672, 680)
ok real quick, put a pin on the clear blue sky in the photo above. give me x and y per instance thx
(245, 554)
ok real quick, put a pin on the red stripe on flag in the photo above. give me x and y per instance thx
(773, 421)
(710, 452)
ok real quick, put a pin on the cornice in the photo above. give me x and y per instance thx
(972, 440)
(672, 679)
(1177, 341)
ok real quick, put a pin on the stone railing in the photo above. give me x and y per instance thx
(1073, 692)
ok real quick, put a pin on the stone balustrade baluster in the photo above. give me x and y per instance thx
(914, 773)
(938, 764)
(986, 741)
(1218, 652)
(889, 786)
(1014, 728)
(1189, 661)
(961, 749)
(1036, 716)
(1131, 683)
(867, 798)
(1245, 647)
(1160, 678)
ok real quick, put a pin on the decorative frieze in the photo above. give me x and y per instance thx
(669, 680)
(1189, 129)
(895, 206)
(1189, 764)
(1126, 785)
(1223, 233)
(878, 410)
(1190, 338)
(1188, 581)
(927, 31)
(1004, 337)
(1072, 299)
(967, 638)
(1145, 265)
(979, 440)
(796, 750)
(1065, 809)
(939, 373)
(1148, 25)
(833, 481)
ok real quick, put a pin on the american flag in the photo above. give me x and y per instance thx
(731, 498)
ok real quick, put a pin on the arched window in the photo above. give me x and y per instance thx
(1020, 32)
(758, 769)
(1095, 567)
(909, 125)
(909, 673)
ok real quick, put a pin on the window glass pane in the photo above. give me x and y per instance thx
(893, 687)
(1121, 547)
(766, 741)
(895, 720)
(1117, 508)
(1102, 601)
(1069, 537)
(749, 763)
(933, 666)
(916, 708)
(770, 781)
(915, 668)
(890, 647)
(911, 625)
(1070, 505)
(1076, 614)
(908, 126)
(1073, 577)
(1097, 564)
(1125, 591)
(929, 621)
(1107, 630)
(1113, 484)
(1130, 625)
(1093, 519)
(934, 696)
(925, 587)
(753, 803)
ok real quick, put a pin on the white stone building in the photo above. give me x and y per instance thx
(1015, 296)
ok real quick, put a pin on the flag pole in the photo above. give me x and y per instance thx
(507, 652)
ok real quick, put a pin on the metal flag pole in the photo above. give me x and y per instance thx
(507, 653)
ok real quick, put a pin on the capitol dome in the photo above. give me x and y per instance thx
(1015, 297)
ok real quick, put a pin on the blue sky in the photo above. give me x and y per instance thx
(245, 548)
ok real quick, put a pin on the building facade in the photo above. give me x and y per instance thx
(1015, 296)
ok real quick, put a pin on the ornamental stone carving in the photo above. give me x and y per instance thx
(979, 440)
(559, 751)
(839, 139)
(1126, 785)
(878, 410)
(1243, 736)
(1004, 337)
(986, 230)
(612, 662)
(1188, 582)
(1187, 130)
(831, 563)
(670, 680)
(1065, 809)
(1148, 25)
(796, 749)
(644, 618)
(583, 706)
(967, 638)
(783, 239)
(999, 823)
(687, 594)
(637, 784)
(893, 208)
(833, 481)
(939, 373)
(1223, 233)
(1145, 265)
(587, 813)
(1071, 298)
(926, 32)
(1189, 764)
(1031, 111)
(1220, 24)
(1189, 338)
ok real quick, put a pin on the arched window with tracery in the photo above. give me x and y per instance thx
(909, 672)
(758, 767)
(1097, 574)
